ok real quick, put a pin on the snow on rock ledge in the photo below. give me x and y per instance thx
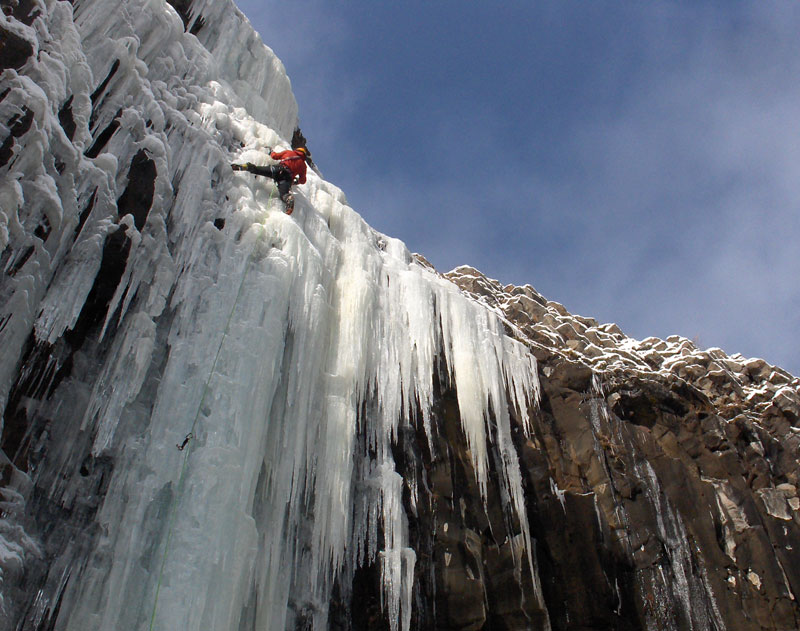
(736, 385)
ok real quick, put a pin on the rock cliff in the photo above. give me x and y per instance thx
(653, 460)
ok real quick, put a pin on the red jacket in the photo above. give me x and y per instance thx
(294, 161)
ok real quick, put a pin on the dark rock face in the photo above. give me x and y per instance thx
(18, 125)
(112, 266)
(191, 23)
(14, 50)
(67, 119)
(24, 11)
(469, 548)
(654, 503)
(658, 499)
(137, 198)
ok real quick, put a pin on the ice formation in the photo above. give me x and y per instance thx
(232, 378)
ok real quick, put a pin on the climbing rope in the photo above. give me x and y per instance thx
(188, 441)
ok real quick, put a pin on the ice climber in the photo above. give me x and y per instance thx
(291, 169)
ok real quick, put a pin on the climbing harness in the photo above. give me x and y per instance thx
(188, 441)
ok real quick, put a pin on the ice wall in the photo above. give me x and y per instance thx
(200, 394)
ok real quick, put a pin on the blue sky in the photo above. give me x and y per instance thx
(637, 161)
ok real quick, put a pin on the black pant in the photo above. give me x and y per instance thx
(283, 178)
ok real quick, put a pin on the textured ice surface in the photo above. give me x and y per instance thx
(282, 352)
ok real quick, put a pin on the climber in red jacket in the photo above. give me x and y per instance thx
(291, 169)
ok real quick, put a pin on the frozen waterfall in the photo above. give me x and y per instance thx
(164, 301)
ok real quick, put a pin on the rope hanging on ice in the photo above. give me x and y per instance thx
(188, 440)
